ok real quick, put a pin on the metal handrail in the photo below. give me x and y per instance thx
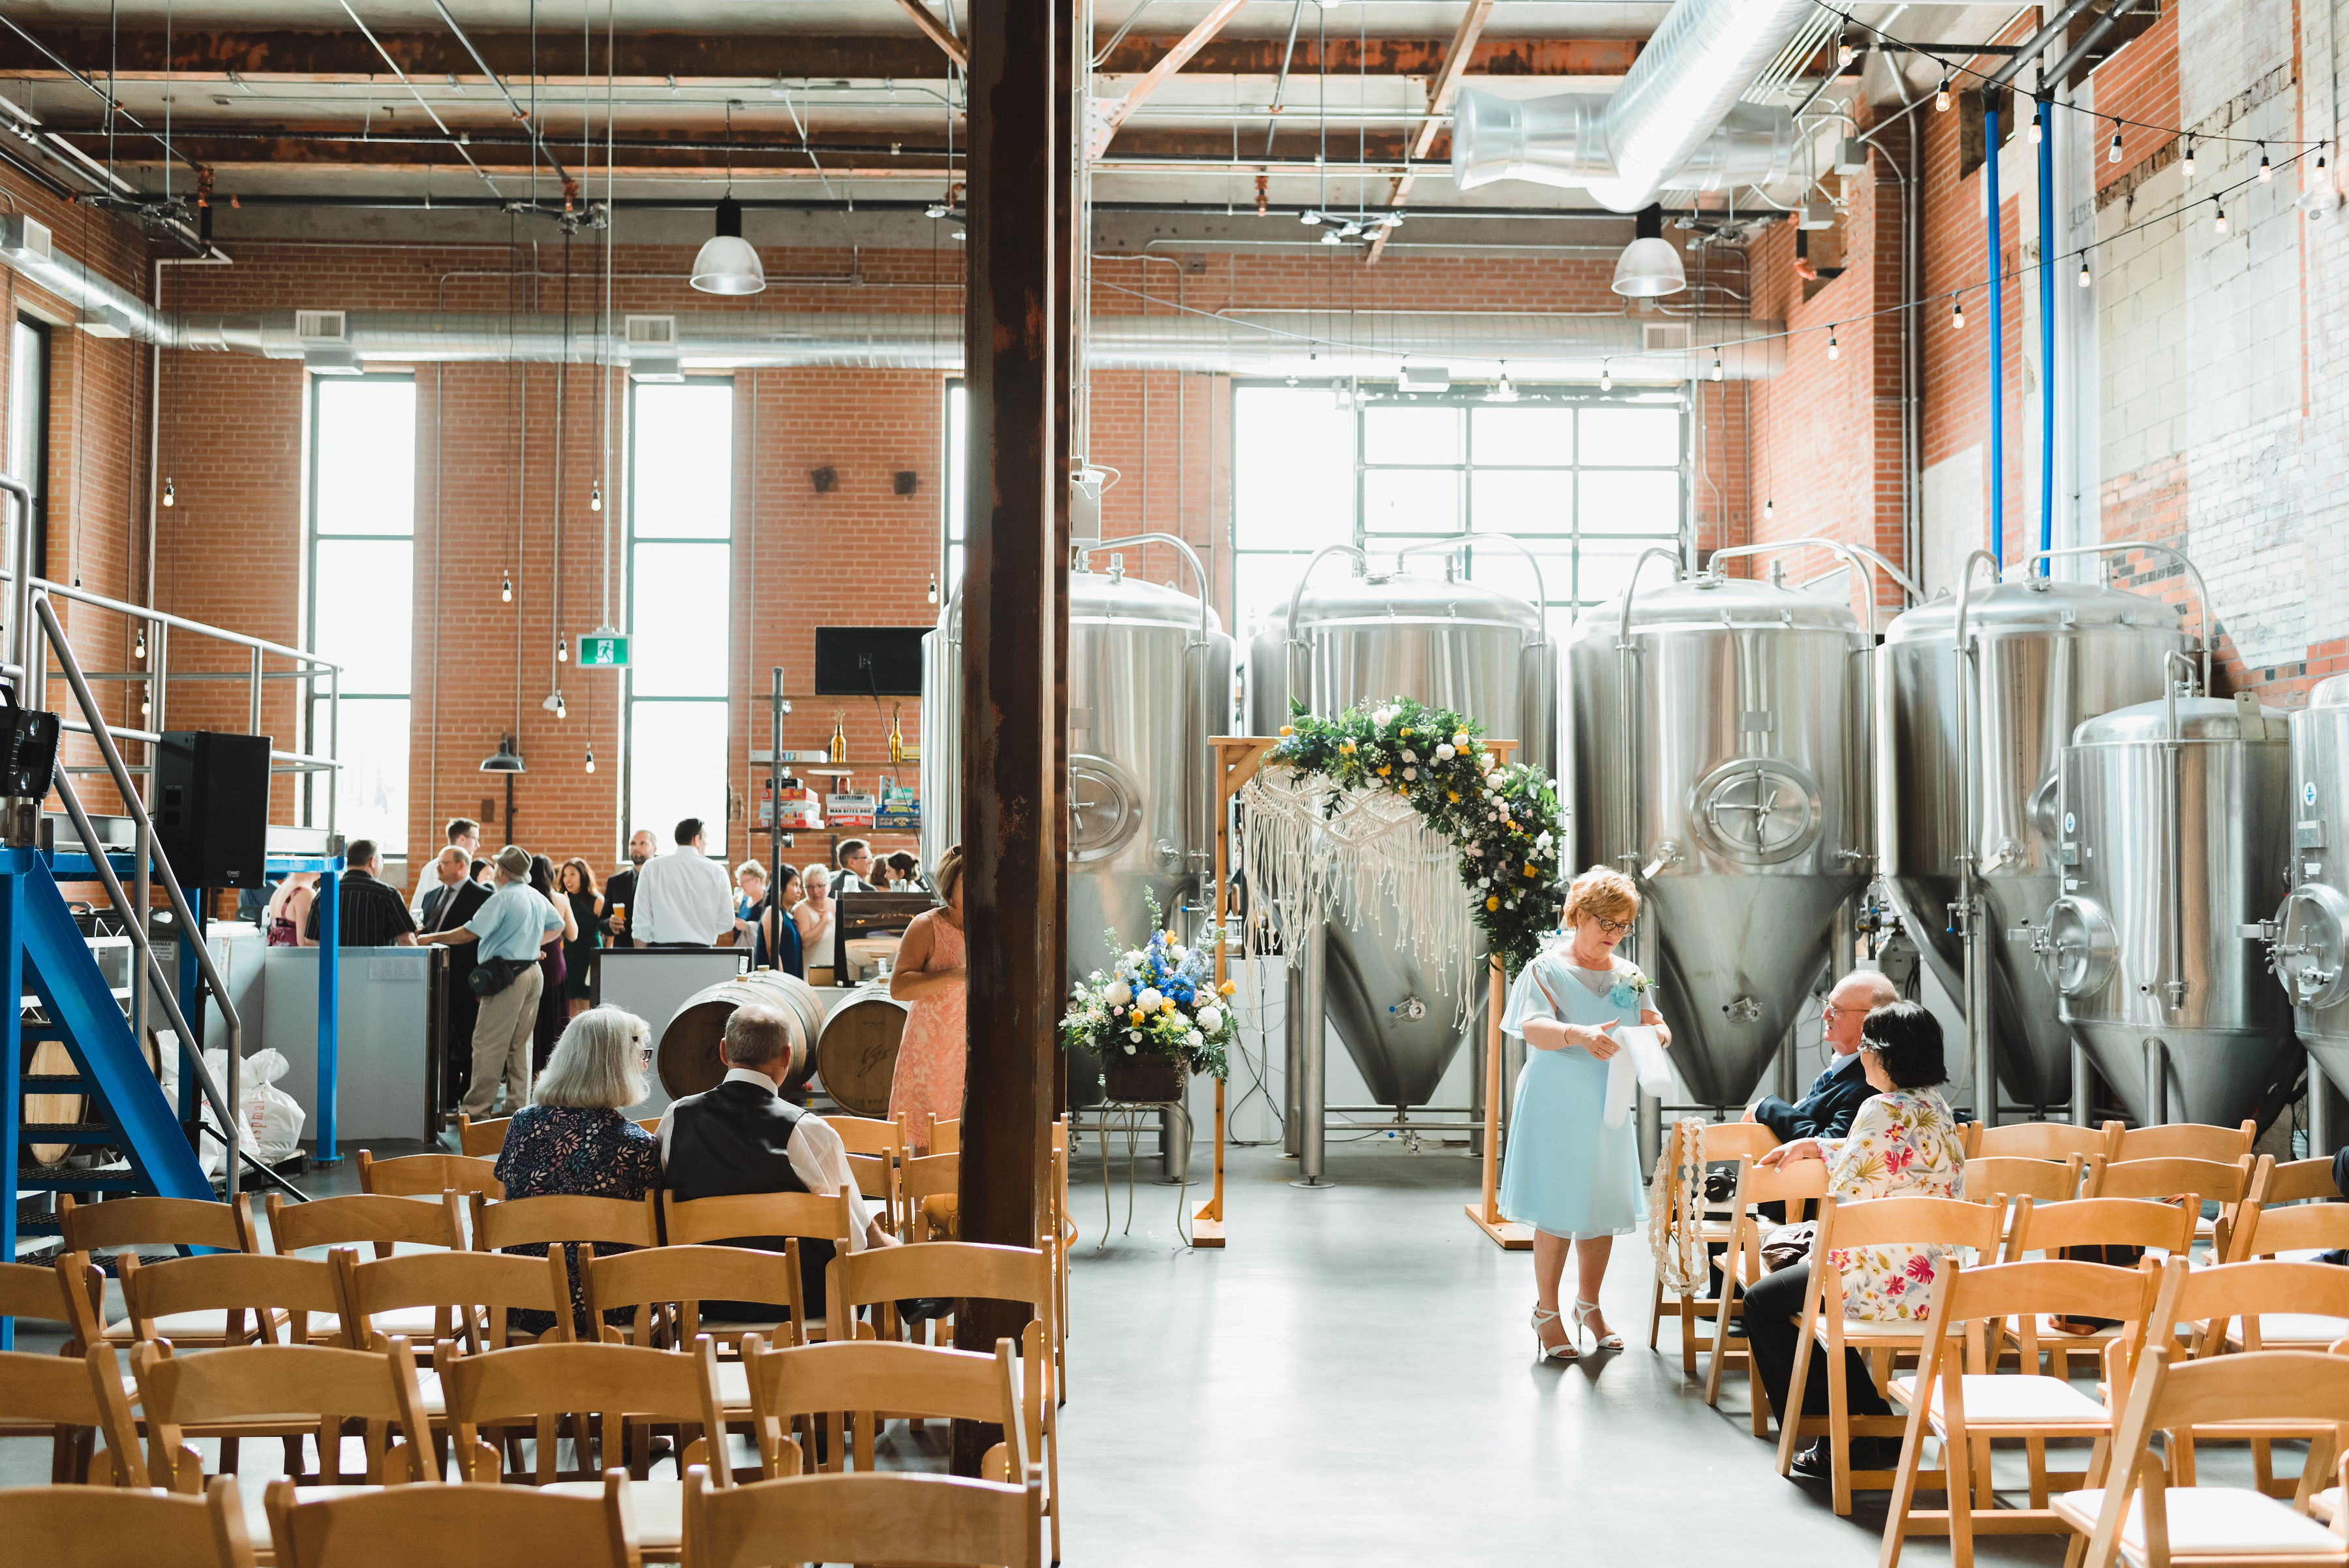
(191, 931)
(2202, 589)
(1853, 556)
(1540, 600)
(164, 618)
(1289, 644)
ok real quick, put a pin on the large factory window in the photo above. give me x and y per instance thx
(28, 430)
(1586, 483)
(957, 439)
(680, 591)
(363, 552)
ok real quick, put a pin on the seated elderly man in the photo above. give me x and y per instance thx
(744, 1137)
(1837, 1093)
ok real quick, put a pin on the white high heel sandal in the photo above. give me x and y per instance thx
(1565, 1351)
(1583, 1312)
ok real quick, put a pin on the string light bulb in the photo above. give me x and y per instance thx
(596, 497)
(2189, 157)
(2035, 126)
(560, 711)
(1605, 377)
(505, 593)
(2218, 223)
(140, 651)
(1769, 510)
(2267, 170)
(1834, 348)
(1957, 312)
(2084, 269)
(934, 587)
(1716, 368)
(1844, 50)
(1942, 97)
(561, 651)
(2113, 151)
(591, 759)
(170, 494)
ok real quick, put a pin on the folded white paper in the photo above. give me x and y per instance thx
(1641, 1065)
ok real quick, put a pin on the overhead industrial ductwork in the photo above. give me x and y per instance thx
(1675, 124)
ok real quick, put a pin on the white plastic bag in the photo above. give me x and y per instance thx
(271, 1118)
(1641, 1064)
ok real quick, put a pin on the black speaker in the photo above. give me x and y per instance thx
(212, 807)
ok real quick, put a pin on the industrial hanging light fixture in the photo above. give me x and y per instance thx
(553, 705)
(1650, 266)
(726, 263)
(505, 758)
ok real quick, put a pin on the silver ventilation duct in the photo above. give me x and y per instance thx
(1674, 124)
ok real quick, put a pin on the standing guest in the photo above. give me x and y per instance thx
(463, 832)
(1569, 1174)
(814, 915)
(1837, 1093)
(929, 975)
(459, 1007)
(856, 867)
(451, 869)
(879, 880)
(682, 897)
(743, 1137)
(1905, 1144)
(620, 892)
(902, 870)
(775, 943)
(750, 891)
(574, 1136)
(586, 906)
(289, 908)
(508, 930)
(369, 910)
(553, 966)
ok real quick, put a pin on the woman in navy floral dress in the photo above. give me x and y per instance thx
(574, 1136)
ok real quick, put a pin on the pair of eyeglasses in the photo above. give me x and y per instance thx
(1612, 928)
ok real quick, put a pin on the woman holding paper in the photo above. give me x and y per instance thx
(1573, 1166)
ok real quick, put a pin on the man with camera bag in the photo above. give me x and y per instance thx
(510, 928)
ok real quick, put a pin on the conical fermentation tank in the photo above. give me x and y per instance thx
(2044, 657)
(1348, 642)
(2310, 951)
(1150, 681)
(2174, 831)
(1719, 757)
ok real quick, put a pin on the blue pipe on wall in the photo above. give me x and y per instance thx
(1997, 344)
(2047, 341)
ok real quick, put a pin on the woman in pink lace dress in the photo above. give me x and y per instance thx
(929, 976)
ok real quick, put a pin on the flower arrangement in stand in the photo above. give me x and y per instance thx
(1503, 818)
(1154, 1017)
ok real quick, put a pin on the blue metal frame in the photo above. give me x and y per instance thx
(1997, 344)
(2047, 337)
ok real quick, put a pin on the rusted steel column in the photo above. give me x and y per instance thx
(1011, 616)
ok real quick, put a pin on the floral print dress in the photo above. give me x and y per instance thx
(1903, 1143)
(586, 1153)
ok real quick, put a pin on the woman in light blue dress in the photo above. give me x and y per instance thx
(1571, 1177)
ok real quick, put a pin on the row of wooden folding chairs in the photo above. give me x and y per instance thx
(939, 1520)
(2116, 1141)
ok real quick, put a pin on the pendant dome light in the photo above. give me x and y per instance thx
(1650, 266)
(726, 263)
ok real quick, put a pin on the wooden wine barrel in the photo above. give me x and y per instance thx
(50, 1057)
(689, 1060)
(856, 1054)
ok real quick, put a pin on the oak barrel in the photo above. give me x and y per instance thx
(856, 1054)
(689, 1060)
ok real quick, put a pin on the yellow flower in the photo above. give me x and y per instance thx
(1405, 732)
(1137, 1015)
(1531, 872)
(1287, 729)
(1492, 903)
(1228, 987)
(1385, 770)
(1455, 795)
(1346, 749)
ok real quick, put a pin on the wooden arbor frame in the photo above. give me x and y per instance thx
(1238, 759)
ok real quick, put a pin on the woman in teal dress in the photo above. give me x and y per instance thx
(1569, 1174)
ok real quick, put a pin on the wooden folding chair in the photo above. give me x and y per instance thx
(875, 1149)
(1062, 1227)
(2052, 1229)
(944, 1135)
(283, 1391)
(187, 1223)
(71, 1400)
(456, 1527)
(2141, 1517)
(71, 1292)
(942, 1520)
(258, 1296)
(2300, 1231)
(385, 1223)
(427, 1176)
(619, 1390)
(2001, 1178)
(558, 1223)
(793, 1218)
(2201, 1311)
(481, 1290)
(482, 1139)
(2057, 1141)
(1723, 1141)
(1950, 1223)
(870, 1135)
(928, 1185)
(104, 1527)
(1966, 1409)
(2225, 1182)
(852, 1387)
(2185, 1140)
(2298, 1181)
(967, 1270)
(1793, 1184)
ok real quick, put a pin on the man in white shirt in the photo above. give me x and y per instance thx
(683, 897)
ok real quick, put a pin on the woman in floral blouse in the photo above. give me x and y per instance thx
(1903, 1143)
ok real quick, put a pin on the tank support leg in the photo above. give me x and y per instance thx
(1980, 1043)
(2082, 1104)
(2320, 1113)
(2156, 1083)
(1313, 1066)
(1652, 1130)
(1292, 1062)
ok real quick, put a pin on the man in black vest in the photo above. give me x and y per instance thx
(744, 1137)
(457, 905)
(1839, 1092)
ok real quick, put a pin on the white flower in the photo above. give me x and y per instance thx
(1194, 1040)
(1382, 717)
(1182, 955)
(1150, 998)
(1459, 739)
(1472, 848)
(1211, 1018)
(1410, 775)
(1444, 754)
(1120, 994)
(1133, 958)
(1132, 1034)
(1410, 756)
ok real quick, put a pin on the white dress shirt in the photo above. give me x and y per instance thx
(818, 1157)
(682, 897)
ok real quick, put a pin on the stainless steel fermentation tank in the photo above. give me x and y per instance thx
(2309, 939)
(1966, 783)
(1719, 757)
(1150, 681)
(1344, 643)
(2174, 827)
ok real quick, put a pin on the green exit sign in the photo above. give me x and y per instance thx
(604, 652)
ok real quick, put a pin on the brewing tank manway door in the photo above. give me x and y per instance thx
(2311, 941)
(1758, 811)
(1104, 807)
(2077, 947)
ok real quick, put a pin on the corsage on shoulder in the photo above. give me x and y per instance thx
(1630, 985)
